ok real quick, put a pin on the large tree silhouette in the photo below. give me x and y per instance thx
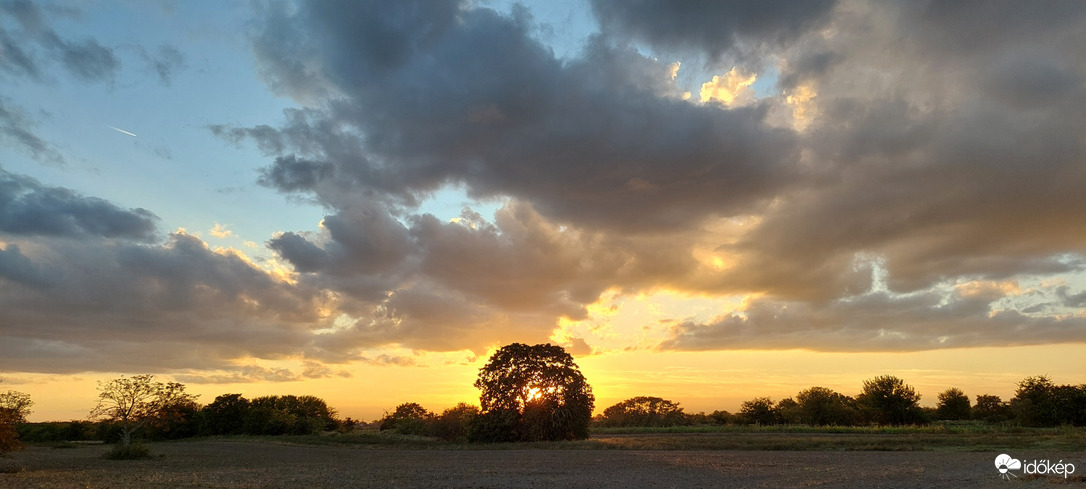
(532, 393)
(135, 401)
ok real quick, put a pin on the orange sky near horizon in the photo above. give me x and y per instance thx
(702, 381)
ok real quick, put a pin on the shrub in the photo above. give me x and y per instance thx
(455, 423)
(9, 438)
(496, 425)
(131, 451)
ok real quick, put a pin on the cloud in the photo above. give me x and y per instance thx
(29, 48)
(220, 231)
(1068, 299)
(399, 129)
(15, 127)
(714, 27)
(165, 61)
(86, 59)
(28, 208)
(246, 374)
(961, 317)
(909, 158)
(86, 285)
(613, 182)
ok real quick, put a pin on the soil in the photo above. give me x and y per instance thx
(233, 464)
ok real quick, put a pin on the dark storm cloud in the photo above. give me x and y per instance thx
(470, 97)
(712, 26)
(87, 285)
(28, 208)
(16, 267)
(949, 164)
(113, 306)
(965, 164)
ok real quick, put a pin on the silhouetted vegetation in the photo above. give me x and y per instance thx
(1039, 402)
(953, 405)
(991, 409)
(410, 419)
(889, 400)
(132, 451)
(532, 393)
(138, 401)
(643, 411)
(760, 410)
(14, 408)
(535, 393)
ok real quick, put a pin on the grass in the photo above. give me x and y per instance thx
(132, 451)
(962, 427)
(948, 437)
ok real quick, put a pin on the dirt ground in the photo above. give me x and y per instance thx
(231, 464)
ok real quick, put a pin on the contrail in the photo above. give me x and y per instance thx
(122, 131)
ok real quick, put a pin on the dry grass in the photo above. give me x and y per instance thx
(642, 460)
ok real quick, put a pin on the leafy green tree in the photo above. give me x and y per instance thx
(134, 402)
(533, 393)
(644, 411)
(821, 406)
(889, 400)
(408, 418)
(759, 410)
(953, 404)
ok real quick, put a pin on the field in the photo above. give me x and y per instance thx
(720, 458)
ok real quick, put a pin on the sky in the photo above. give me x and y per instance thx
(702, 201)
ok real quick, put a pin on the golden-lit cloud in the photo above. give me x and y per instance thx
(801, 99)
(733, 88)
(220, 231)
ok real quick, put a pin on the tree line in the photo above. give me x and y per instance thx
(528, 393)
(883, 400)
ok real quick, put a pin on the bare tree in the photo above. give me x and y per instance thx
(136, 401)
